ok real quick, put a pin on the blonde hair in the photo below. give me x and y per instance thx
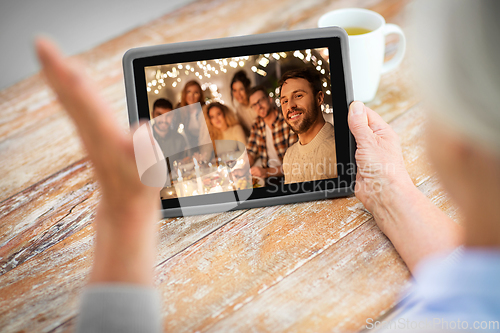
(457, 58)
(229, 117)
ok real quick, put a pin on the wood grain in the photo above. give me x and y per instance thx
(46, 213)
(337, 290)
(314, 266)
(324, 295)
(252, 253)
(48, 284)
(247, 256)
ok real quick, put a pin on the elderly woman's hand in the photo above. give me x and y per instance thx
(415, 226)
(128, 210)
(381, 169)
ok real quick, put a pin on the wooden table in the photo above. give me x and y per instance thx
(319, 266)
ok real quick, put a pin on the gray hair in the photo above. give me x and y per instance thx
(458, 60)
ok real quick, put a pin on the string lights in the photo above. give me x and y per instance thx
(200, 70)
(175, 75)
(214, 91)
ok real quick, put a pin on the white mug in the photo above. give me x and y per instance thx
(366, 50)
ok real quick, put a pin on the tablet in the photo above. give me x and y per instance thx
(244, 122)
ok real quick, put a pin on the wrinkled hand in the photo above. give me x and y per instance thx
(378, 158)
(128, 210)
(414, 225)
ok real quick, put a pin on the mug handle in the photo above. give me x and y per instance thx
(398, 57)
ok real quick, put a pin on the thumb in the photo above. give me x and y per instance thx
(358, 121)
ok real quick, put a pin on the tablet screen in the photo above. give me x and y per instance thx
(258, 124)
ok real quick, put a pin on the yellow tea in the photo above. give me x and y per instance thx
(352, 31)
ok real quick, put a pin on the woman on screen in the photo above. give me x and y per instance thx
(224, 128)
(192, 94)
(240, 85)
(194, 122)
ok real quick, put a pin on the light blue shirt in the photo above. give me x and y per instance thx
(459, 292)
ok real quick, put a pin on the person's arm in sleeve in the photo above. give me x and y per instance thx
(415, 226)
(120, 295)
(120, 308)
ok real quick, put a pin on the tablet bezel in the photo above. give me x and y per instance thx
(135, 61)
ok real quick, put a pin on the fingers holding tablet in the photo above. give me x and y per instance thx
(379, 159)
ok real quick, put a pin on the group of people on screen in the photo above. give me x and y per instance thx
(293, 141)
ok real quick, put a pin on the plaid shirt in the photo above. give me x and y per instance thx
(283, 137)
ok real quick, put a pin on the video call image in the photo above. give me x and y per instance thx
(241, 123)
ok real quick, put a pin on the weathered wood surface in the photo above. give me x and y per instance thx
(47, 286)
(315, 266)
(255, 252)
(334, 291)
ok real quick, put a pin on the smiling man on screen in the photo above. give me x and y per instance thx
(313, 156)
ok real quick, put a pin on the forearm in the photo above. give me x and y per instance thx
(415, 226)
(125, 254)
(251, 159)
(126, 221)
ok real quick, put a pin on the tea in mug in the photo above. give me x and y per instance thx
(352, 31)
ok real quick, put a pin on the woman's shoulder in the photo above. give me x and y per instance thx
(236, 128)
(235, 132)
(239, 129)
